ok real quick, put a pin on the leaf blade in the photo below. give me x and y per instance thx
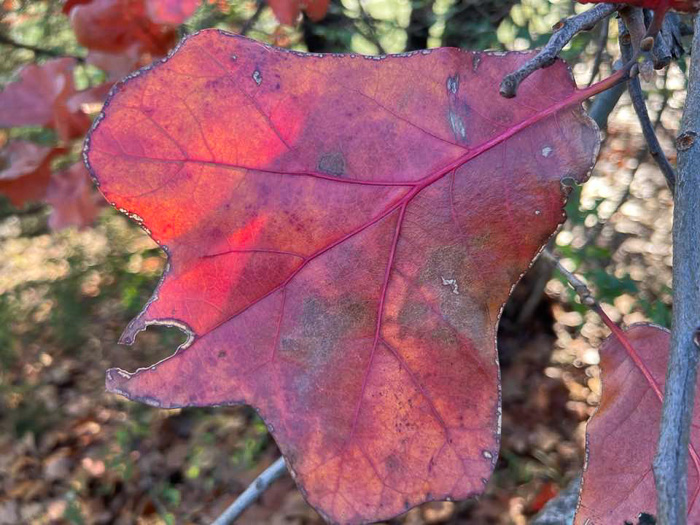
(364, 222)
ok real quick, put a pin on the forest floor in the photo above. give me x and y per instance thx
(71, 453)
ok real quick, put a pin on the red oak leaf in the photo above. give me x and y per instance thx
(621, 438)
(688, 6)
(26, 170)
(342, 232)
(288, 11)
(70, 193)
(114, 26)
(39, 98)
(171, 12)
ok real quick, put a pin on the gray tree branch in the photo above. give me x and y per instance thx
(562, 35)
(671, 461)
(252, 493)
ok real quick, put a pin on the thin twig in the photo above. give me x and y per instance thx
(635, 90)
(51, 53)
(252, 493)
(562, 35)
(577, 284)
(587, 299)
(670, 463)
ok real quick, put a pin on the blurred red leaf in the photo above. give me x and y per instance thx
(117, 65)
(688, 6)
(70, 4)
(288, 11)
(39, 98)
(547, 491)
(26, 170)
(172, 12)
(621, 437)
(114, 26)
(86, 100)
(70, 193)
(342, 232)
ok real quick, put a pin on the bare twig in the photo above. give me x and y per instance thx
(670, 463)
(667, 44)
(562, 35)
(40, 51)
(635, 90)
(577, 284)
(252, 493)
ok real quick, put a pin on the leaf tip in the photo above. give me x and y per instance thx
(131, 331)
(115, 379)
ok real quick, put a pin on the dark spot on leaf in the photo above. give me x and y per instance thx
(646, 519)
(332, 163)
(476, 60)
(453, 84)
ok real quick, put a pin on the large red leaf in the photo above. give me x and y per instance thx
(40, 97)
(689, 6)
(342, 233)
(621, 438)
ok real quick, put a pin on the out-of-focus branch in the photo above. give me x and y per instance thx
(40, 51)
(253, 19)
(563, 34)
(635, 90)
(252, 493)
(371, 33)
(603, 104)
(601, 42)
(670, 463)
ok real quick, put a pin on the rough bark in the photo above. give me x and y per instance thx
(670, 464)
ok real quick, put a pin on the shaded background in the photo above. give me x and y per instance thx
(71, 453)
